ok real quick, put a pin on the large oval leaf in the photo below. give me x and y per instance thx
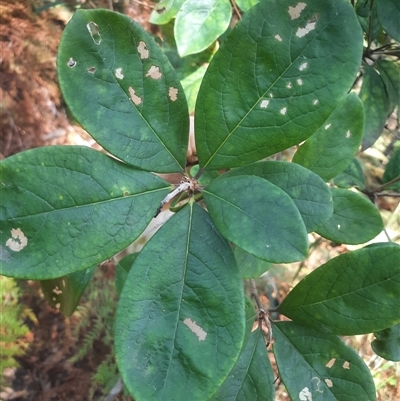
(387, 343)
(355, 219)
(122, 89)
(331, 149)
(258, 217)
(67, 208)
(389, 17)
(390, 74)
(199, 23)
(352, 176)
(252, 377)
(355, 293)
(303, 59)
(307, 190)
(180, 320)
(315, 366)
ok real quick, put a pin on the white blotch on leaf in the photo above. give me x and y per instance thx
(329, 382)
(299, 81)
(283, 111)
(338, 226)
(348, 134)
(327, 126)
(278, 38)
(135, 98)
(119, 74)
(173, 93)
(271, 95)
(303, 66)
(56, 290)
(195, 328)
(346, 365)
(71, 63)
(305, 395)
(289, 85)
(63, 283)
(295, 11)
(307, 29)
(315, 102)
(331, 363)
(154, 72)
(91, 70)
(264, 104)
(94, 31)
(57, 305)
(144, 53)
(18, 241)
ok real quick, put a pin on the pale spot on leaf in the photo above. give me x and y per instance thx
(305, 395)
(63, 283)
(94, 31)
(315, 102)
(329, 382)
(299, 81)
(144, 53)
(327, 126)
(295, 11)
(71, 63)
(278, 38)
(283, 111)
(91, 70)
(289, 85)
(173, 93)
(195, 328)
(303, 66)
(18, 241)
(271, 95)
(338, 226)
(57, 305)
(331, 363)
(307, 29)
(154, 72)
(56, 290)
(348, 134)
(135, 98)
(264, 104)
(346, 365)
(119, 74)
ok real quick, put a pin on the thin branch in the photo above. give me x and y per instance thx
(385, 185)
(393, 194)
(234, 5)
(369, 35)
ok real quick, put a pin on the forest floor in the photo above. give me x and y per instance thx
(32, 114)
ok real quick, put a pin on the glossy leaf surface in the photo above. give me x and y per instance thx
(307, 190)
(181, 308)
(258, 217)
(352, 176)
(315, 366)
(376, 106)
(121, 88)
(355, 293)
(389, 16)
(252, 377)
(330, 150)
(303, 61)
(355, 219)
(165, 10)
(199, 23)
(387, 343)
(68, 208)
(65, 292)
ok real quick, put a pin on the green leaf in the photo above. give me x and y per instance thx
(252, 377)
(65, 292)
(122, 270)
(392, 169)
(68, 208)
(376, 106)
(355, 219)
(390, 74)
(320, 367)
(330, 150)
(165, 10)
(245, 5)
(389, 17)
(387, 343)
(199, 23)
(303, 63)
(352, 176)
(180, 319)
(121, 88)
(368, 17)
(308, 191)
(355, 293)
(250, 315)
(249, 265)
(257, 216)
(191, 86)
(206, 177)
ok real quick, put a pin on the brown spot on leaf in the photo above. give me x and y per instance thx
(143, 52)
(154, 72)
(135, 98)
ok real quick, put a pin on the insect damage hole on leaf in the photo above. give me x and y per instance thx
(91, 70)
(195, 328)
(295, 11)
(135, 98)
(305, 394)
(56, 290)
(143, 51)
(310, 26)
(94, 31)
(18, 241)
(154, 72)
(119, 74)
(71, 63)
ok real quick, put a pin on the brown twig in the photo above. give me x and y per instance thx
(234, 5)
